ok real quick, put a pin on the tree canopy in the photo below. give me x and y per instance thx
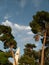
(6, 37)
(40, 25)
(40, 22)
(9, 42)
(30, 56)
(4, 58)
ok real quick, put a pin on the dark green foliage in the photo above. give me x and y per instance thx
(29, 49)
(39, 22)
(25, 60)
(35, 27)
(46, 56)
(4, 29)
(7, 37)
(30, 46)
(30, 56)
(9, 42)
(4, 58)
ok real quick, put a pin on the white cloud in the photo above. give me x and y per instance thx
(22, 27)
(31, 33)
(17, 26)
(21, 30)
(21, 33)
(27, 38)
(7, 23)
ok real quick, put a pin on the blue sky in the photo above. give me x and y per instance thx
(21, 11)
(18, 14)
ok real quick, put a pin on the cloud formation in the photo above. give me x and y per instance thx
(17, 26)
(21, 33)
(19, 30)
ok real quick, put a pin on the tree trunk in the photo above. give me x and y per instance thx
(42, 57)
(13, 56)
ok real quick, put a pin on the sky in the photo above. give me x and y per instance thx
(18, 14)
